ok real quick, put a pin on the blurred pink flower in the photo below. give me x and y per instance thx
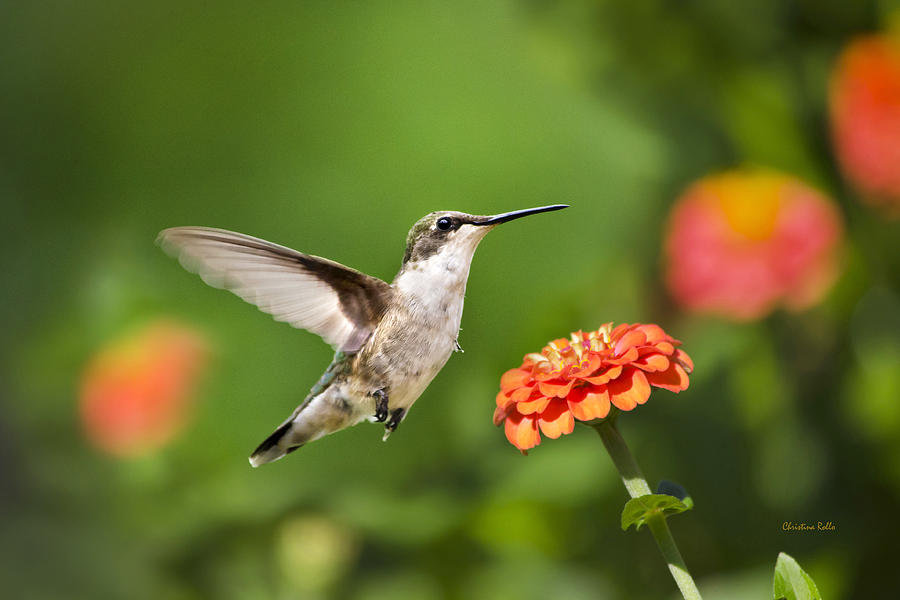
(741, 243)
(136, 391)
(864, 101)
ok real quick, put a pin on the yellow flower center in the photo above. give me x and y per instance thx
(561, 353)
(750, 202)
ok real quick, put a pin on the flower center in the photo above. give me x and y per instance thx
(575, 352)
(750, 204)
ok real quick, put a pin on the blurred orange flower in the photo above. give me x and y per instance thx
(581, 377)
(864, 101)
(136, 391)
(743, 242)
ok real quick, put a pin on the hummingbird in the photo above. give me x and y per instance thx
(390, 340)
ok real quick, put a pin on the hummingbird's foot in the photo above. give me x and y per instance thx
(381, 405)
(396, 416)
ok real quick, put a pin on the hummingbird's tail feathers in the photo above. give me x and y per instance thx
(329, 411)
(274, 446)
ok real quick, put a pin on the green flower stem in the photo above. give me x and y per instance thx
(628, 469)
(637, 486)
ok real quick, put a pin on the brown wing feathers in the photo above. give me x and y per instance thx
(338, 303)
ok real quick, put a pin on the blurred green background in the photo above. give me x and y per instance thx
(331, 128)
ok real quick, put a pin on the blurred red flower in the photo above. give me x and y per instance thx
(864, 101)
(742, 242)
(581, 377)
(136, 391)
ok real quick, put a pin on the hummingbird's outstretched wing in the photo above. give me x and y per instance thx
(338, 303)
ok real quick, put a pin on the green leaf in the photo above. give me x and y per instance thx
(639, 510)
(792, 582)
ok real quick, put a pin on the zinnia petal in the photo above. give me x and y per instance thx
(522, 432)
(499, 415)
(653, 332)
(685, 360)
(619, 331)
(629, 390)
(674, 379)
(559, 389)
(664, 346)
(514, 378)
(652, 362)
(629, 355)
(523, 394)
(540, 376)
(537, 405)
(588, 366)
(604, 377)
(556, 420)
(629, 340)
(589, 403)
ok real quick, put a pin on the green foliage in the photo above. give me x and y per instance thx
(792, 582)
(331, 128)
(639, 510)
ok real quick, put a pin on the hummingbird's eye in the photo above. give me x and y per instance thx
(444, 223)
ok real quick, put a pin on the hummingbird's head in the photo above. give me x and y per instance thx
(457, 232)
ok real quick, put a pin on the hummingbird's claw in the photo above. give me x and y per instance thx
(396, 416)
(381, 405)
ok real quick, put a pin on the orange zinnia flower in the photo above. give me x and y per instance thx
(864, 102)
(136, 392)
(581, 377)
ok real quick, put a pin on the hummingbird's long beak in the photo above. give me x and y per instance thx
(503, 218)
